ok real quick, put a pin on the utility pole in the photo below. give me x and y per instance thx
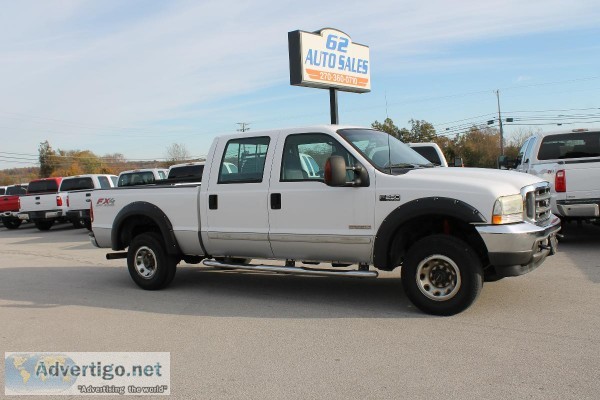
(500, 122)
(244, 126)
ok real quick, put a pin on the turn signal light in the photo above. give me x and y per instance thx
(560, 181)
(59, 201)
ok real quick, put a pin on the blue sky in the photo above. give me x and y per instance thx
(135, 76)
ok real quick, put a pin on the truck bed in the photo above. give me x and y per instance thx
(183, 213)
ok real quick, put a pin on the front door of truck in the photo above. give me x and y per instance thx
(310, 220)
(235, 204)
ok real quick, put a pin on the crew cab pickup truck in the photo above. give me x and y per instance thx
(9, 205)
(448, 229)
(570, 160)
(43, 205)
(77, 191)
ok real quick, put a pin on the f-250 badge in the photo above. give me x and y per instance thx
(389, 197)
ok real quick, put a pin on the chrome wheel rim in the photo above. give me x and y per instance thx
(438, 277)
(145, 262)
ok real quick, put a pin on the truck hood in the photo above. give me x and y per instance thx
(479, 187)
(501, 182)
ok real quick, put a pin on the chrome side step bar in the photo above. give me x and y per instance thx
(292, 270)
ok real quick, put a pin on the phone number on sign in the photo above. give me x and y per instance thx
(338, 78)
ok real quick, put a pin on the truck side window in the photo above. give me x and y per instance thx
(243, 160)
(304, 157)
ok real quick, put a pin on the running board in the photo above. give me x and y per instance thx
(292, 270)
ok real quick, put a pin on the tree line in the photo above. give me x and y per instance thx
(478, 146)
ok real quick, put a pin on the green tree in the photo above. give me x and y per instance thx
(421, 131)
(389, 127)
(479, 147)
(46, 158)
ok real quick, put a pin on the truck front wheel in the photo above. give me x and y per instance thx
(148, 262)
(442, 275)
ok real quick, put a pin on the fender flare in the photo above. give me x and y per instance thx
(149, 210)
(438, 206)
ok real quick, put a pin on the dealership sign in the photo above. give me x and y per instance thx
(329, 59)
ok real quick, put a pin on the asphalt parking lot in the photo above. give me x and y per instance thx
(261, 336)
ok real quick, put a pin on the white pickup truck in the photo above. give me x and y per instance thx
(449, 229)
(43, 204)
(570, 160)
(77, 191)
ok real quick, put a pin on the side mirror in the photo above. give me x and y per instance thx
(458, 162)
(335, 171)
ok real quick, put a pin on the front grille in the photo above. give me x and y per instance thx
(538, 204)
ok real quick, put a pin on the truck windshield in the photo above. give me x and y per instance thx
(384, 151)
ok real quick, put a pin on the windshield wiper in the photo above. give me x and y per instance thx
(401, 165)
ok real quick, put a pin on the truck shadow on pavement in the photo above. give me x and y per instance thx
(203, 291)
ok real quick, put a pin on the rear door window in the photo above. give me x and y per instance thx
(244, 160)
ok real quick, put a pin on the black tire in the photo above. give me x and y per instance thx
(148, 262)
(44, 225)
(11, 223)
(88, 224)
(77, 223)
(442, 275)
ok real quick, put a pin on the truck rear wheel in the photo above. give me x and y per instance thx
(442, 275)
(11, 223)
(44, 225)
(148, 262)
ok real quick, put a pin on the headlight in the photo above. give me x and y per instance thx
(508, 209)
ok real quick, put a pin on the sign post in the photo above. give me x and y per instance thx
(328, 59)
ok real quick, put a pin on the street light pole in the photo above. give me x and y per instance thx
(500, 122)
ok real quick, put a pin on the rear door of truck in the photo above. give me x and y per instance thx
(235, 199)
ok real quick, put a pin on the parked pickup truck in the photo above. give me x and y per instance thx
(9, 205)
(43, 204)
(77, 192)
(449, 229)
(570, 160)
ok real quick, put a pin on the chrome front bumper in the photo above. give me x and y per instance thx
(515, 249)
